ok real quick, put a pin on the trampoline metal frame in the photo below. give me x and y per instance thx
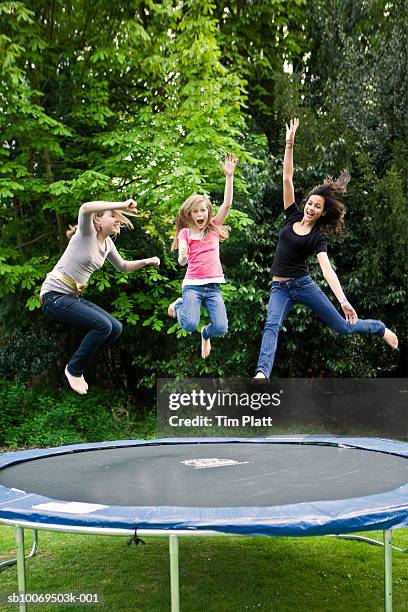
(173, 537)
(173, 533)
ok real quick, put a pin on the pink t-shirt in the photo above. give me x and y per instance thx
(204, 256)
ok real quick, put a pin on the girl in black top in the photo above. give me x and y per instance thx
(302, 235)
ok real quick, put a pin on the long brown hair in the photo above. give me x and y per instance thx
(333, 220)
(184, 219)
(124, 221)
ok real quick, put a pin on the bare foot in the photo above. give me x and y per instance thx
(170, 311)
(77, 383)
(390, 338)
(205, 347)
(260, 375)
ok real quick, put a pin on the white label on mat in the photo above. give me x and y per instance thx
(70, 507)
(202, 464)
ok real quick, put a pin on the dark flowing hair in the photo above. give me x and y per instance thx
(333, 220)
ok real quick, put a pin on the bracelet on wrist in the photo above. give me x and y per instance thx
(289, 144)
(343, 301)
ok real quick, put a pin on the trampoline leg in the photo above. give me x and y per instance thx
(21, 566)
(388, 570)
(32, 553)
(174, 573)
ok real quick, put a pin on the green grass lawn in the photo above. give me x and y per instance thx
(221, 574)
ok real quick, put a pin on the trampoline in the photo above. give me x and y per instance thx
(278, 486)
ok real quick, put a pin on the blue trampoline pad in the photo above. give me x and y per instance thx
(279, 486)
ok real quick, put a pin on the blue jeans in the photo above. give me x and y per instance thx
(102, 328)
(284, 295)
(188, 309)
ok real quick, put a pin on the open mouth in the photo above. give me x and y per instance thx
(200, 222)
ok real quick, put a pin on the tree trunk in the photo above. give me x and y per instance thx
(60, 223)
(19, 239)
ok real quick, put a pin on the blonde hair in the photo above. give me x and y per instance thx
(184, 219)
(121, 216)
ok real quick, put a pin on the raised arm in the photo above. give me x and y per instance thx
(99, 207)
(228, 168)
(334, 284)
(288, 188)
(85, 223)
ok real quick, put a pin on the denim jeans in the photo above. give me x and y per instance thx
(188, 309)
(284, 295)
(102, 328)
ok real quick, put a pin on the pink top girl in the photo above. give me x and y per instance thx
(198, 235)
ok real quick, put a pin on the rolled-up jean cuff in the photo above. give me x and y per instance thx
(177, 304)
(76, 374)
(262, 372)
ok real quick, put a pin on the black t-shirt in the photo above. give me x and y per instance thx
(292, 250)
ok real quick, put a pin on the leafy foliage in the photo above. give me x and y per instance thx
(111, 100)
(36, 418)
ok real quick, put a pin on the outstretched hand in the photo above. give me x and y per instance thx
(228, 165)
(291, 129)
(350, 313)
(153, 261)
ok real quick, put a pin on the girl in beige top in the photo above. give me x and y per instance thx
(89, 245)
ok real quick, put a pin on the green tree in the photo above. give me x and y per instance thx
(107, 102)
(359, 54)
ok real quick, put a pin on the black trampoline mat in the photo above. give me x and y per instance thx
(263, 475)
